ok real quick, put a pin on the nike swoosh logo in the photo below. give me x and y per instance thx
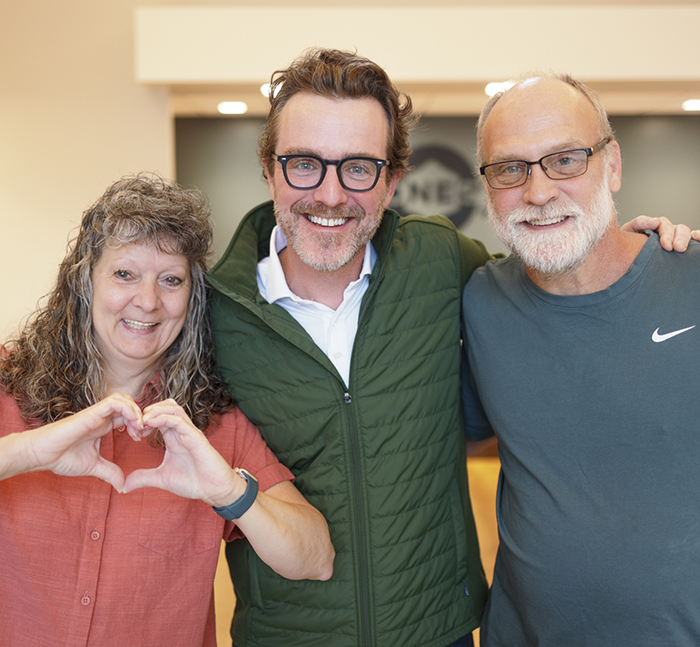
(657, 338)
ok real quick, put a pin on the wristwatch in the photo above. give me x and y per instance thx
(240, 506)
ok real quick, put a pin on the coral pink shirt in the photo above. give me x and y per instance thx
(81, 564)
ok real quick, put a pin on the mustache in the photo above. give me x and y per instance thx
(549, 211)
(320, 210)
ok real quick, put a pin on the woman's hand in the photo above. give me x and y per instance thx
(191, 467)
(71, 446)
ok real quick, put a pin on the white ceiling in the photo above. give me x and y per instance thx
(639, 62)
(619, 98)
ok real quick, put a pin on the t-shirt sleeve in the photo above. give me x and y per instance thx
(476, 422)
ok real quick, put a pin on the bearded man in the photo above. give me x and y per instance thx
(582, 360)
(337, 328)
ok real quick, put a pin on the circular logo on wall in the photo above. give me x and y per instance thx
(442, 182)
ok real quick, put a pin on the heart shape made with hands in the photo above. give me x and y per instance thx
(190, 466)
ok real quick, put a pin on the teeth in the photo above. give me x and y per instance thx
(549, 221)
(325, 222)
(139, 325)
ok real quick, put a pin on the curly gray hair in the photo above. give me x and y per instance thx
(54, 368)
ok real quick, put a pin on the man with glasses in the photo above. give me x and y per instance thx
(345, 354)
(337, 326)
(582, 360)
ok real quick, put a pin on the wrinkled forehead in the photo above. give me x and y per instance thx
(160, 244)
(333, 128)
(163, 243)
(538, 116)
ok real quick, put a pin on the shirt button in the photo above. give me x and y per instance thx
(95, 535)
(337, 355)
(85, 600)
(335, 323)
(121, 428)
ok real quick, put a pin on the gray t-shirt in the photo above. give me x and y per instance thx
(593, 402)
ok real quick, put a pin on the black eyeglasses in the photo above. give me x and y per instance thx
(556, 166)
(307, 171)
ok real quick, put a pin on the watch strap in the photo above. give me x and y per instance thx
(240, 506)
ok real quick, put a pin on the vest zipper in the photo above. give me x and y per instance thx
(361, 539)
(365, 625)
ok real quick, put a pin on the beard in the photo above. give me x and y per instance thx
(329, 249)
(561, 250)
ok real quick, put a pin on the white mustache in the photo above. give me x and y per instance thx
(547, 214)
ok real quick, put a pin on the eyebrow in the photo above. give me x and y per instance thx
(572, 144)
(307, 151)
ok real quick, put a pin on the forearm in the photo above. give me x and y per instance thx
(288, 534)
(285, 531)
(14, 455)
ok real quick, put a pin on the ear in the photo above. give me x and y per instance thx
(614, 167)
(391, 187)
(269, 177)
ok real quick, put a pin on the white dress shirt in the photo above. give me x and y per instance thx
(333, 331)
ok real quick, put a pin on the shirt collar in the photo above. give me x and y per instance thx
(276, 284)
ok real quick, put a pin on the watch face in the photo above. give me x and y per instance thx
(245, 474)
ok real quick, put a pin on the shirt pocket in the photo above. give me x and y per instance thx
(176, 527)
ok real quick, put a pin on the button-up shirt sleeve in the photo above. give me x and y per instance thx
(81, 564)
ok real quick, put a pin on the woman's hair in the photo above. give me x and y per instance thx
(336, 74)
(54, 369)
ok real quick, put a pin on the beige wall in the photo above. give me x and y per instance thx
(72, 120)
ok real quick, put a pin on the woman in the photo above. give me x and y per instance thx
(124, 341)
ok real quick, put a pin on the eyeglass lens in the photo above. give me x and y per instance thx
(556, 166)
(306, 172)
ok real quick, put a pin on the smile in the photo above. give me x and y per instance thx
(549, 221)
(327, 222)
(138, 325)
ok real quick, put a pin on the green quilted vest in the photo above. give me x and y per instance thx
(383, 460)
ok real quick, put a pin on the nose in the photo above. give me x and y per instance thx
(147, 296)
(330, 192)
(539, 188)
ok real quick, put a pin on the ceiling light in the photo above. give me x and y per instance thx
(232, 108)
(494, 88)
(691, 104)
(265, 89)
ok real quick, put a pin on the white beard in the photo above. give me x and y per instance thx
(561, 250)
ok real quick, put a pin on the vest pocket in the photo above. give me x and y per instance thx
(460, 533)
(257, 599)
(176, 527)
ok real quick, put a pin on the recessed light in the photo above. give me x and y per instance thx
(265, 89)
(232, 108)
(495, 88)
(691, 104)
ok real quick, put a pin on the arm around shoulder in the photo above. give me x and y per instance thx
(474, 255)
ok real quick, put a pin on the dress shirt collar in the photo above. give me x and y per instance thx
(273, 282)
